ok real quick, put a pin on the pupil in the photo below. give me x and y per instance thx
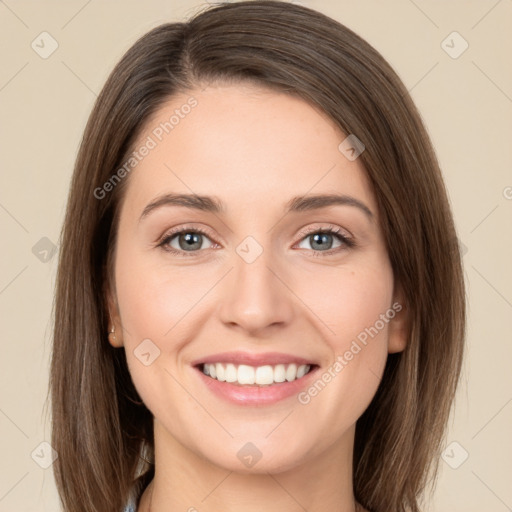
(190, 239)
(320, 238)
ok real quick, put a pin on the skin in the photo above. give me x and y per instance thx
(254, 149)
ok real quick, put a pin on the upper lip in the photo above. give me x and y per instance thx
(251, 359)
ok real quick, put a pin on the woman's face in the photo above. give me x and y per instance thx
(254, 285)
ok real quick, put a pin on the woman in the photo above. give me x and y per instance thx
(260, 299)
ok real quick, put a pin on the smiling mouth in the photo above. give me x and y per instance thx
(245, 375)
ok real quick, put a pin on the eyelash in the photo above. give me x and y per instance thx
(331, 230)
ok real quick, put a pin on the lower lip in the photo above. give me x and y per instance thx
(256, 395)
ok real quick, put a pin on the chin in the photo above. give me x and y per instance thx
(260, 456)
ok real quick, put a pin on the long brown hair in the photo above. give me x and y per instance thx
(100, 426)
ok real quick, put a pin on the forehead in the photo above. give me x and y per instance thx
(246, 145)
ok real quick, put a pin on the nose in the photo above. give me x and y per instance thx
(255, 296)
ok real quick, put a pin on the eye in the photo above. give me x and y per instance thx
(185, 240)
(323, 240)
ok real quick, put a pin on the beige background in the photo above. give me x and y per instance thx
(466, 103)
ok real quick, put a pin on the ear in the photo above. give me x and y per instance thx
(115, 338)
(398, 329)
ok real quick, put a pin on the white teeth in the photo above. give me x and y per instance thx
(291, 372)
(219, 371)
(301, 371)
(245, 374)
(279, 373)
(264, 375)
(261, 375)
(231, 373)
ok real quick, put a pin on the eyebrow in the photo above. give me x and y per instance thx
(296, 204)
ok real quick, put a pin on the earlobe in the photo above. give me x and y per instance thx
(115, 337)
(398, 331)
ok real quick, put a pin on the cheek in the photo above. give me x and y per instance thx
(153, 300)
(353, 307)
(156, 304)
(153, 312)
(357, 310)
(349, 301)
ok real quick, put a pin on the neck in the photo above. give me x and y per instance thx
(185, 481)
